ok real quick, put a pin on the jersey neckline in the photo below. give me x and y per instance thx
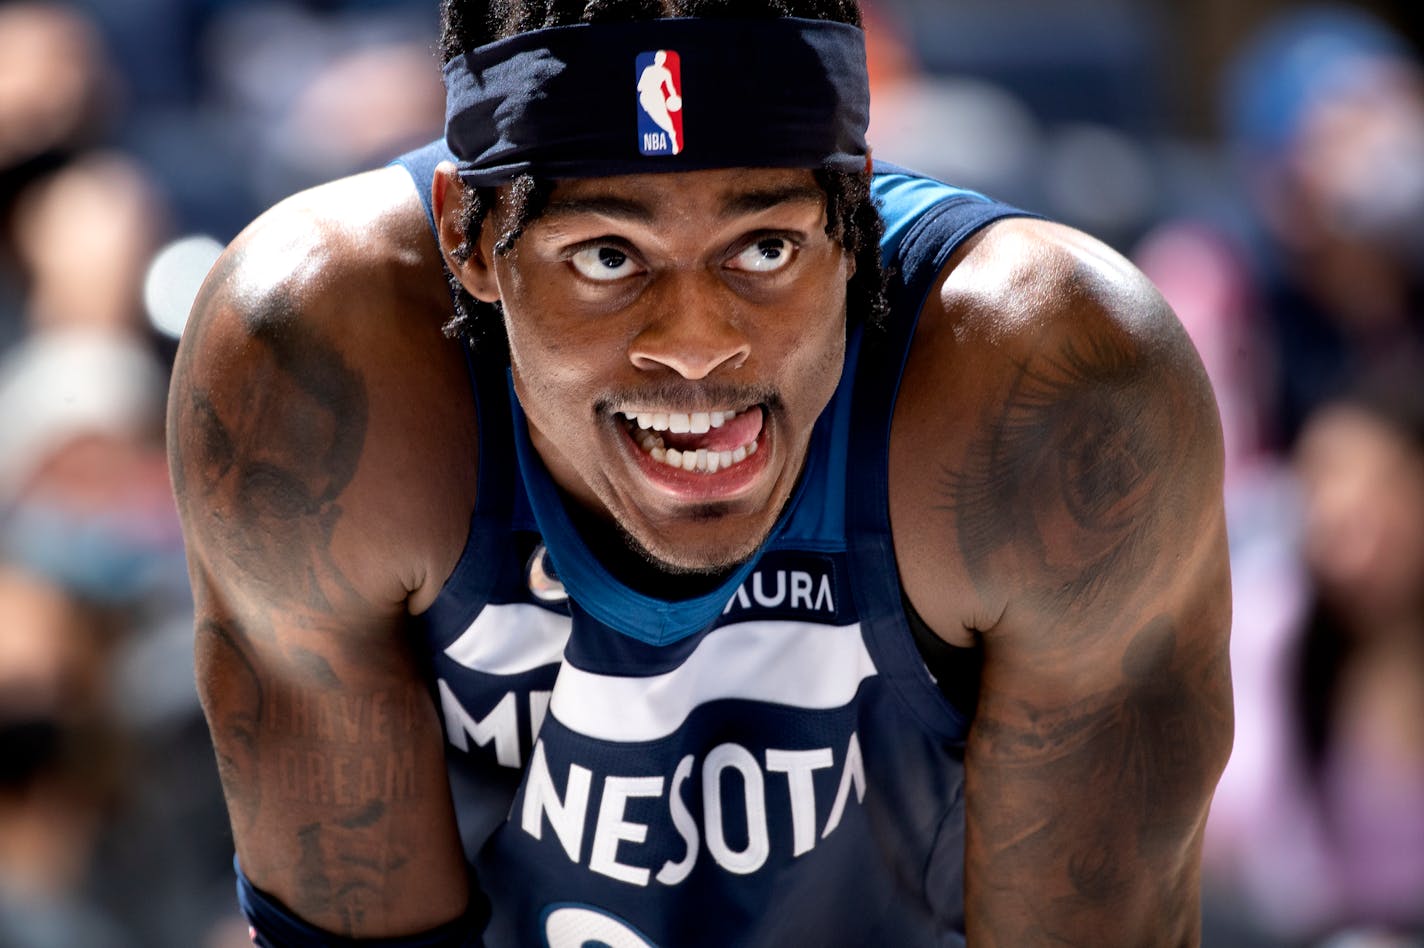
(648, 619)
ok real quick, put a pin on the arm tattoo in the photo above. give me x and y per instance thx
(1116, 783)
(1064, 486)
(267, 461)
(308, 743)
(236, 728)
(325, 734)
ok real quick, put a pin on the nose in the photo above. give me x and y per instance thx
(691, 329)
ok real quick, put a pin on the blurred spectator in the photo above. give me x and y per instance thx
(1326, 111)
(283, 95)
(1322, 830)
(83, 486)
(55, 98)
(1317, 828)
(297, 93)
(85, 503)
(82, 481)
(57, 768)
(54, 82)
(83, 236)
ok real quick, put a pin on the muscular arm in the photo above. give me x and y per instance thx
(1079, 502)
(327, 742)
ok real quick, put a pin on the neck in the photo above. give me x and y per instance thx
(630, 565)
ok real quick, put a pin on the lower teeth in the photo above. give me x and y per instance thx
(701, 460)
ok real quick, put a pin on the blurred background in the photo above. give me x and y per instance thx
(1262, 160)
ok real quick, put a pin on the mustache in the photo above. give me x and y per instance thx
(690, 396)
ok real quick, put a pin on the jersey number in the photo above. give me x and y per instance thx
(580, 926)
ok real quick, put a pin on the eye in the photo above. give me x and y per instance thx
(604, 263)
(767, 255)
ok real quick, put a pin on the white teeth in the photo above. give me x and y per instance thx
(700, 459)
(646, 427)
(679, 423)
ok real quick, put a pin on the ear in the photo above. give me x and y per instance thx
(476, 272)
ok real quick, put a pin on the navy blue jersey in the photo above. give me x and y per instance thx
(769, 764)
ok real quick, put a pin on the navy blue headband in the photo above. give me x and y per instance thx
(685, 94)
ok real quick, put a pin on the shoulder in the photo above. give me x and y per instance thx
(1052, 415)
(1024, 282)
(313, 373)
(363, 233)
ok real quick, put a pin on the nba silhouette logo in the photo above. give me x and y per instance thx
(660, 103)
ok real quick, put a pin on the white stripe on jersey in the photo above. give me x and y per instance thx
(796, 664)
(512, 639)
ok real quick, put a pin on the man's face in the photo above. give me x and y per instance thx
(673, 339)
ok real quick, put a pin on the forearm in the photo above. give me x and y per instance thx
(335, 785)
(1085, 822)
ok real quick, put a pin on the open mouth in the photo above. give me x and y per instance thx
(697, 442)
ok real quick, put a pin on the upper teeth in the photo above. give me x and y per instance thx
(698, 422)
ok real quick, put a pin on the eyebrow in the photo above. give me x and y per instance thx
(752, 202)
(618, 208)
(740, 204)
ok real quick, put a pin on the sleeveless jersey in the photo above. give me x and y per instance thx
(769, 764)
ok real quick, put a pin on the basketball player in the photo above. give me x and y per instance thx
(593, 546)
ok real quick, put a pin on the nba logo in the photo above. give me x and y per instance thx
(660, 103)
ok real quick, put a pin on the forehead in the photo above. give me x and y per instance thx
(718, 193)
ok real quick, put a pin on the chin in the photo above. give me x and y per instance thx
(710, 558)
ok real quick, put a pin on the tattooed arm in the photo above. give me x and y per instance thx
(1074, 503)
(315, 514)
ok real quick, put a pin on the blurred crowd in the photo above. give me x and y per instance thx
(138, 136)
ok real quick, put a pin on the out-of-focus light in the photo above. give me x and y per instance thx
(174, 277)
(1099, 179)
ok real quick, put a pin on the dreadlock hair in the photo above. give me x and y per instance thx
(852, 220)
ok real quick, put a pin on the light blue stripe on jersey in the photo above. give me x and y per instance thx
(904, 198)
